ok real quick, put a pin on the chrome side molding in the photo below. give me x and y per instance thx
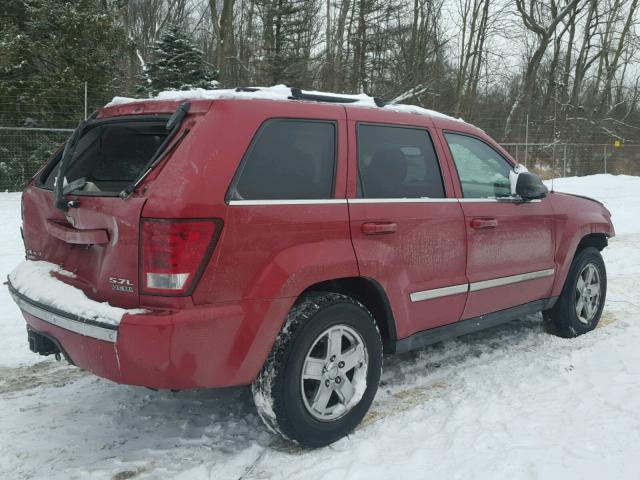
(475, 286)
(522, 277)
(439, 292)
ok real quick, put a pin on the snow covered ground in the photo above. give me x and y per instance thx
(510, 402)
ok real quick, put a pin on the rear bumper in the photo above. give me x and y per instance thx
(211, 346)
(65, 320)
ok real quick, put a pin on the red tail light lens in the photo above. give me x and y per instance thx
(174, 252)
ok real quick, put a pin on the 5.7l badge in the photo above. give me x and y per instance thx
(121, 284)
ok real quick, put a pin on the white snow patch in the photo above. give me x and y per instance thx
(264, 403)
(420, 111)
(34, 280)
(358, 393)
(277, 92)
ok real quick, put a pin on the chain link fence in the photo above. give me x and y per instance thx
(24, 150)
(576, 159)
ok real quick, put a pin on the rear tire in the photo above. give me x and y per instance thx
(323, 372)
(579, 307)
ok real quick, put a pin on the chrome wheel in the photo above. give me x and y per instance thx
(588, 290)
(334, 373)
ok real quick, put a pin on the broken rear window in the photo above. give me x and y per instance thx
(112, 155)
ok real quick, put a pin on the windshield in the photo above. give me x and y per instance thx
(112, 155)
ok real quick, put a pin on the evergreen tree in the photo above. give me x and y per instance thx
(177, 65)
(48, 50)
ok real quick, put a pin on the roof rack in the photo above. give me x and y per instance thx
(247, 89)
(298, 94)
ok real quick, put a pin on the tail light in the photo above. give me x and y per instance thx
(173, 254)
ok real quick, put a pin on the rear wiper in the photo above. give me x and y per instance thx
(173, 125)
(77, 184)
(67, 155)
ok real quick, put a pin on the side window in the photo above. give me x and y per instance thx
(288, 159)
(397, 162)
(483, 172)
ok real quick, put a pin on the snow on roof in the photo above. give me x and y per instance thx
(277, 92)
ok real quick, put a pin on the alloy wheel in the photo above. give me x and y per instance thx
(588, 290)
(334, 373)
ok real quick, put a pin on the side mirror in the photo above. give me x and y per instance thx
(528, 186)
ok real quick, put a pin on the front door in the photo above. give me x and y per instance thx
(407, 233)
(510, 256)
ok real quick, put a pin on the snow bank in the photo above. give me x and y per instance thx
(35, 281)
(277, 92)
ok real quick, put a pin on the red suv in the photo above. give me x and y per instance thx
(285, 242)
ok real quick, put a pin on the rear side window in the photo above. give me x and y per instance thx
(288, 159)
(397, 162)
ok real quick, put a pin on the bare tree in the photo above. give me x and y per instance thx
(474, 21)
(612, 56)
(541, 18)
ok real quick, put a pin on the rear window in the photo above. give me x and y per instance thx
(111, 156)
(288, 159)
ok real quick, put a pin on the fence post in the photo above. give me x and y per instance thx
(605, 158)
(517, 161)
(526, 141)
(564, 161)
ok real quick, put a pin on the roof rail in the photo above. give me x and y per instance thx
(298, 94)
(247, 89)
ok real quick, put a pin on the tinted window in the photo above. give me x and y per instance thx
(483, 172)
(397, 162)
(289, 159)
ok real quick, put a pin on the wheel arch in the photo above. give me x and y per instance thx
(596, 240)
(371, 294)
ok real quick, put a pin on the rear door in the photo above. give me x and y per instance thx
(407, 229)
(510, 256)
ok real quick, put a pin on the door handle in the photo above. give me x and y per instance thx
(484, 223)
(379, 228)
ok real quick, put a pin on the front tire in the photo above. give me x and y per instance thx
(581, 302)
(323, 372)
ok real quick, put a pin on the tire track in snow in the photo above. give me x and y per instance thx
(14, 380)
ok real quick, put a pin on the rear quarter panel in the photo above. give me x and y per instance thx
(265, 251)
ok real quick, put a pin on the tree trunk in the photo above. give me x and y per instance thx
(223, 29)
(338, 46)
